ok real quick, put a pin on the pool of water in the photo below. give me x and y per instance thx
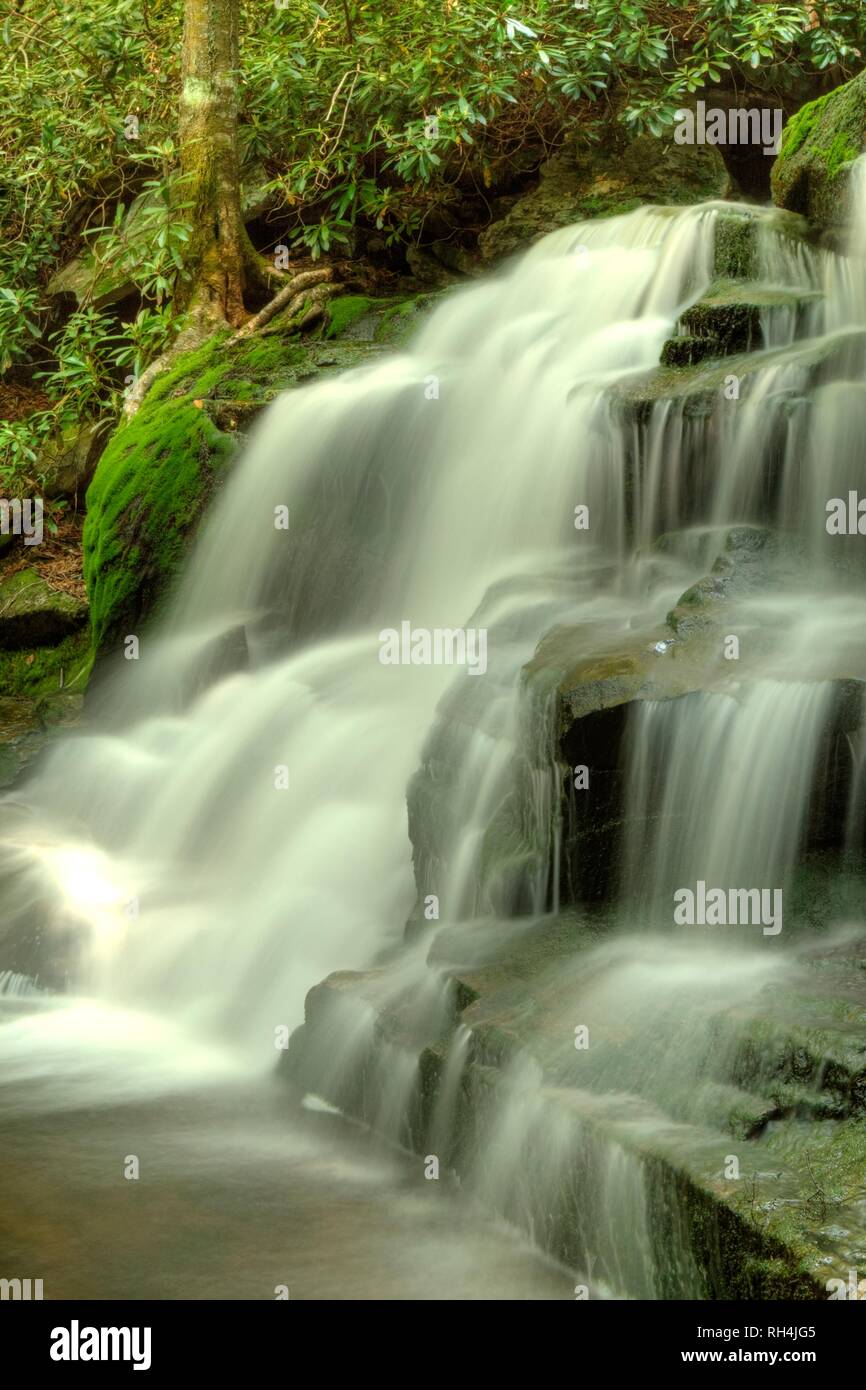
(244, 1185)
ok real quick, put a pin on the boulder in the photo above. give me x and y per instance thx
(597, 684)
(499, 1057)
(811, 174)
(585, 181)
(68, 461)
(33, 614)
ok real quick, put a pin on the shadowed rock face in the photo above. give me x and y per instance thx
(819, 144)
(581, 183)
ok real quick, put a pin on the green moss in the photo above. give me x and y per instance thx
(801, 125)
(264, 360)
(390, 321)
(399, 320)
(346, 310)
(843, 150)
(601, 205)
(187, 371)
(36, 673)
(149, 490)
(688, 349)
(735, 247)
(831, 1156)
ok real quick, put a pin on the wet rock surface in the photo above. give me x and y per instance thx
(747, 1202)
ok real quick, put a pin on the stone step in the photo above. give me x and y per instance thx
(729, 1217)
(732, 315)
(738, 239)
(699, 387)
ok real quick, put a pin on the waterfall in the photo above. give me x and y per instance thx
(194, 884)
(724, 782)
(240, 829)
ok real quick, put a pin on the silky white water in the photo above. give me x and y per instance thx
(229, 841)
(448, 512)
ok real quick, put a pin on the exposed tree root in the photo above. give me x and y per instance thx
(259, 274)
(305, 294)
(291, 296)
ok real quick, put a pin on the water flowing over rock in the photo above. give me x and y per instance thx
(671, 701)
(581, 182)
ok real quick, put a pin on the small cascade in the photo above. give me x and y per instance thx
(719, 790)
(16, 986)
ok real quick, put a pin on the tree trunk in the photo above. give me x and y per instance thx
(207, 131)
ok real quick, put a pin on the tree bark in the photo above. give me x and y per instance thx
(207, 131)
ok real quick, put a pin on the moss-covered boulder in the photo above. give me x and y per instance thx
(33, 613)
(154, 480)
(819, 145)
(586, 181)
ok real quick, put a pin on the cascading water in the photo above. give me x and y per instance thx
(400, 511)
(240, 830)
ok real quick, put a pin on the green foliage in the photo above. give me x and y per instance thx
(20, 472)
(386, 118)
(378, 113)
(73, 76)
